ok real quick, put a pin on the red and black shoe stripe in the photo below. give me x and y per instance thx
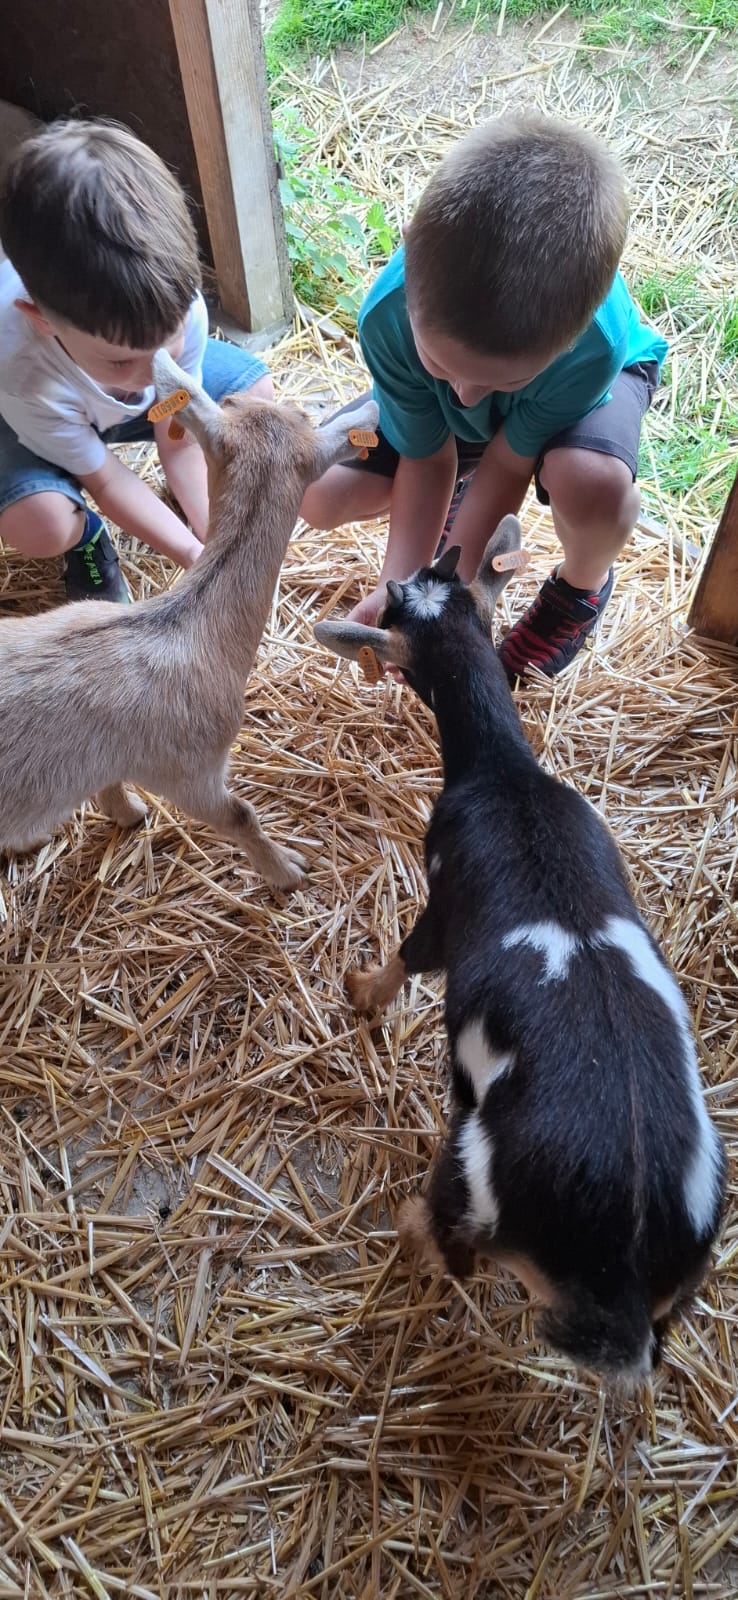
(552, 631)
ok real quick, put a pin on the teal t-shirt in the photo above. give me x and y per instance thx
(417, 412)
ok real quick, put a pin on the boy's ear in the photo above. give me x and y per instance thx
(347, 639)
(35, 315)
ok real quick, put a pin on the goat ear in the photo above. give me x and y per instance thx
(447, 563)
(332, 442)
(202, 416)
(348, 638)
(506, 539)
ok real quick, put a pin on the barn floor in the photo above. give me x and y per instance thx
(217, 1375)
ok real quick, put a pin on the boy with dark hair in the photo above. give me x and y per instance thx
(102, 269)
(504, 345)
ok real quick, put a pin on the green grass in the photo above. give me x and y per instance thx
(337, 239)
(686, 456)
(318, 26)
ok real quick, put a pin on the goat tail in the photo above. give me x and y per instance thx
(617, 1341)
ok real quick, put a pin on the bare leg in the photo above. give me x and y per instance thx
(345, 495)
(595, 505)
(236, 820)
(123, 805)
(45, 524)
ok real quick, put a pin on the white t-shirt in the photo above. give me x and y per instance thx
(55, 409)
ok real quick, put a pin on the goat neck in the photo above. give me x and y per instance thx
(469, 693)
(255, 488)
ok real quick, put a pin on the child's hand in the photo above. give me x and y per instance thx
(370, 608)
(367, 612)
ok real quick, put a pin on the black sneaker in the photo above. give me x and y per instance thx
(92, 571)
(553, 629)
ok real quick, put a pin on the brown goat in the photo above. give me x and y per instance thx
(95, 696)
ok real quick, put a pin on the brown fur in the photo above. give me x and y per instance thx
(96, 696)
(373, 988)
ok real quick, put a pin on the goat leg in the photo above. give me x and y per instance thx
(236, 820)
(375, 987)
(122, 805)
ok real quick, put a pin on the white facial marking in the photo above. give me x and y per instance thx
(426, 597)
(702, 1178)
(555, 943)
(434, 865)
(475, 1149)
(482, 1065)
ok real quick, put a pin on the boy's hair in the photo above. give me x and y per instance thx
(98, 230)
(517, 237)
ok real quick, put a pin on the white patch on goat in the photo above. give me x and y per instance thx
(555, 944)
(482, 1065)
(426, 597)
(434, 865)
(475, 1150)
(702, 1178)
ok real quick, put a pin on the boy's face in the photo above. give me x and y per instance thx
(473, 375)
(112, 366)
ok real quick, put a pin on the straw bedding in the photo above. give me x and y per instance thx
(218, 1377)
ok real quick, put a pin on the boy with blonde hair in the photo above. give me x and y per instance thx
(102, 269)
(504, 345)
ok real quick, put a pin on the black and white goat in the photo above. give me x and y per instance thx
(579, 1151)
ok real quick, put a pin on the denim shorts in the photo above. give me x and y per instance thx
(613, 429)
(226, 368)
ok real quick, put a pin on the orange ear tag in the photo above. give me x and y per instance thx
(369, 664)
(513, 561)
(175, 430)
(365, 438)
(168, 406)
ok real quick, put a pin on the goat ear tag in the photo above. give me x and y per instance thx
(168, 406)
(512, 561)
(369, 664)
(365, 438)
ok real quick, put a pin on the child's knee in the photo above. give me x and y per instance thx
(263, 389)
(42, 525)
(587, 484)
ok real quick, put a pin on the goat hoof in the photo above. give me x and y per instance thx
(287, 869)
(137, 810)
(360, 989)
(122, 805)
(415, 1233)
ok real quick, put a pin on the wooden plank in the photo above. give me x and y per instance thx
(221, 58)
(714, 610)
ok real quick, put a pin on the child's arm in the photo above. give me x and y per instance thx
(421, 492)
(184, 467)
(497, 488)
(186, 472)
(130, 503)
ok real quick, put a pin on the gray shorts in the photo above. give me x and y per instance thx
(226, 368)
(612, 429)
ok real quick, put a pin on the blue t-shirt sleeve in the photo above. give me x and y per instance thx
(565, 393)
(410, 416)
